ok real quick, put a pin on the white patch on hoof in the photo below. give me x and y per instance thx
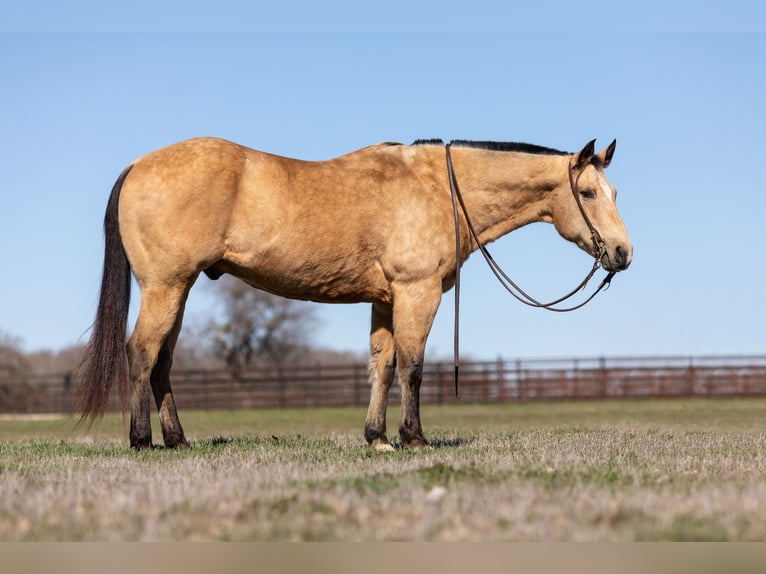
(382, 446)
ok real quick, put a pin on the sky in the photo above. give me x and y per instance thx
(87, 91)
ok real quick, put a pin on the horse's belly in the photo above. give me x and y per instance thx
(347, 279)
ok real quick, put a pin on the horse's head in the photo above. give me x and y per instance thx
(590, 218)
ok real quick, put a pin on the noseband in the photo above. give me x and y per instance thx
(509, 285)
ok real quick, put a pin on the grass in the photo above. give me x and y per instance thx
(603, 471)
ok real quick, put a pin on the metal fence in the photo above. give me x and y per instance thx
(495, 381)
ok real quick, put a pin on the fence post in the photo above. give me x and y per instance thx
(574, 380)
(357, 386)
(519, 381)
(282, 381)
(65, 403)
(439, 383)
(743, 384)
(690, 377)
(500, 380)
(604, 375)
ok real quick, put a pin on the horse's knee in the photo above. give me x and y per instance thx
(415, 372)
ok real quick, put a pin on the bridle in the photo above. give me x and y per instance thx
(509, 285)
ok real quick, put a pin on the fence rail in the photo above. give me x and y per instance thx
(495, 381)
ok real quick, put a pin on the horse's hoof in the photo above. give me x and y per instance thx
(417, 443)
(178, 444)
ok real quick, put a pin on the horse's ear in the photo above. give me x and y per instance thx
(586, 155)
(606, 155)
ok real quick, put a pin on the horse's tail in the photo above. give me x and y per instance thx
(105, 359)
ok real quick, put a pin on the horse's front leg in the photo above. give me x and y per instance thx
(382, 364)
(415, 305)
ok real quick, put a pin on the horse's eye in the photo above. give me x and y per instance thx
(588, 194)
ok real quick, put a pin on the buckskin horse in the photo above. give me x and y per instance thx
(375, 225)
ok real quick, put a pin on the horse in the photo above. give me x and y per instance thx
(375, 225)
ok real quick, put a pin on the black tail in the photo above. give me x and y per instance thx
(105, 357)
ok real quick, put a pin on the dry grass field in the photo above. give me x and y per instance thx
(584, 471)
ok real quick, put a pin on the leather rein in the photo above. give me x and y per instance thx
(503, 278)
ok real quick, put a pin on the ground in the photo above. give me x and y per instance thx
(585, 471)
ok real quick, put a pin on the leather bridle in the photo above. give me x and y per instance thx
(505, 280)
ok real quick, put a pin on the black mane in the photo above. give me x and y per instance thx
(496, 146)
(429, 142)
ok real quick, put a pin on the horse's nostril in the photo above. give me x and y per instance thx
(621, 256)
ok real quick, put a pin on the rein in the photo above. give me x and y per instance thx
(509, 285)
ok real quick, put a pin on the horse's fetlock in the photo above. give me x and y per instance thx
(176, 440)
(411, 434)
(141, 444)
(373, 433)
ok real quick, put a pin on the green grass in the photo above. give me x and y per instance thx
(606, 471)
(693, 414)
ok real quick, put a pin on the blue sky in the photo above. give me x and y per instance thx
(687, 109)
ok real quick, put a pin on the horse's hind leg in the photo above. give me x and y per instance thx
(382, 365)
(172, 432)
(158, 321)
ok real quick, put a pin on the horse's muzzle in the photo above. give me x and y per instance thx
(618, 259)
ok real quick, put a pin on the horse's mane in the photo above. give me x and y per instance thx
(496, 146)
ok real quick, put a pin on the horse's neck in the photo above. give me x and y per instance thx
(504, 190)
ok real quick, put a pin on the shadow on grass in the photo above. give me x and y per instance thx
(437, 443)
(223, 441)
(451, 442)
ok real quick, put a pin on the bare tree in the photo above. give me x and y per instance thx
(258, 327)
(60, 361)
(12, 360)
